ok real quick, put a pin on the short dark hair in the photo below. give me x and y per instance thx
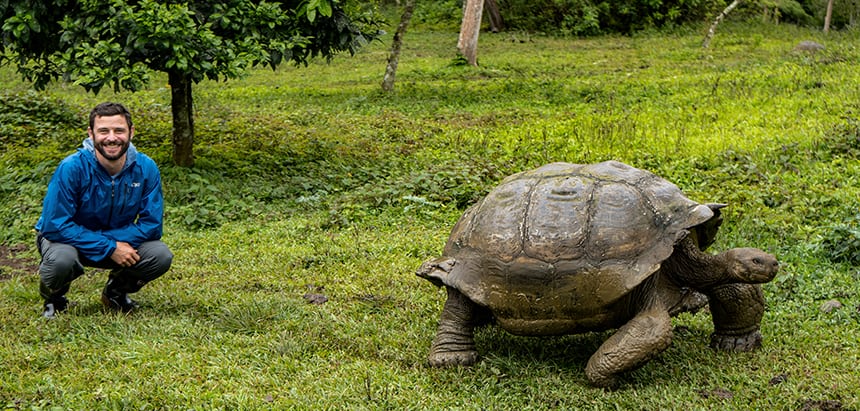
(110, 109)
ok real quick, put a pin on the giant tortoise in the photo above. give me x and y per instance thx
(570, 248)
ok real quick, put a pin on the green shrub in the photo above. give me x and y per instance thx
(841, 243)
(586, 17)
(27, 119)
(438, 14)
(844, 138)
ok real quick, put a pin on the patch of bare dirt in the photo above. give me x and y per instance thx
(821, 405)
(718, 393)
(13, 261)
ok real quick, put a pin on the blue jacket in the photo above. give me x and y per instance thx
(87, 208)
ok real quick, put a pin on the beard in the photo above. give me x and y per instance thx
(123, 148)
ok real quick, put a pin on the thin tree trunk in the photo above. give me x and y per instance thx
(828, 15)
(852, 19)
(394, 57)
(496, 23)
(469, 30)
(712, 30)
(183, 119)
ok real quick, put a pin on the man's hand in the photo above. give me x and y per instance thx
(124, 255)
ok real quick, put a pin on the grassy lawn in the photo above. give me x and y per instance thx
(311, 182)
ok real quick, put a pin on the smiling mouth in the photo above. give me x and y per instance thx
(112, 150)
(112, 147)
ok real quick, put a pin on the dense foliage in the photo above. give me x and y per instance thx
(97, 43)
(587, 17)
(846, 13)
(590, 17)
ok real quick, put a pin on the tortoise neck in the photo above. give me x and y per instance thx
(689, 266)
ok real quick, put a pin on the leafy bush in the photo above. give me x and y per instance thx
(26, 119)
(801, 12)
(844, 138)
(198, 203)
(793, 12)
(585, 17)
(35, 129)
(845, 13)
(439, 14)
(841, 243)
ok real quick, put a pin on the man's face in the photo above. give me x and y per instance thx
(111, 136)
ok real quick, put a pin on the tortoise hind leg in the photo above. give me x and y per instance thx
(736, 310)
(643, 337)
(454, 343)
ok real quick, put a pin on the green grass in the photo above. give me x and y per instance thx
(311, 180)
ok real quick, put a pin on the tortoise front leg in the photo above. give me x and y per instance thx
(454, 343)
(642, 338)
(736, 310)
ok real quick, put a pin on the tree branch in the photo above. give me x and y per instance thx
(720, 17)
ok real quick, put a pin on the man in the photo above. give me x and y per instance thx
(103, 208)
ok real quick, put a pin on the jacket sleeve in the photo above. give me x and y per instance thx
(58, 211)
(150, 217)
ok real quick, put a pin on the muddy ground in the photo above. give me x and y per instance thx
(16, 260)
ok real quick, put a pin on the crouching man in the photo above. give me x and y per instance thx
(103, 208)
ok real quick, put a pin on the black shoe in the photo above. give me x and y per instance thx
(119, 302)
(54, 306)
(116, 300)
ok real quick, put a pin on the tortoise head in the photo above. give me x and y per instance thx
(751, 265)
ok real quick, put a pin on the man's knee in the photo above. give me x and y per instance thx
(156, 257)
(59, 265)
(163, 256)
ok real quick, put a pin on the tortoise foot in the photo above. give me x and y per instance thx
(601, 380)
(743, 342)
(453, 358)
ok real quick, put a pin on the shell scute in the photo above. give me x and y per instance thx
(557, 225)
(622, 225)
(496, 223)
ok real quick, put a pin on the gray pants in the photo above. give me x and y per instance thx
(61, 264)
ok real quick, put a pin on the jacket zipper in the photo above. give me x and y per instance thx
(124, 190)
(112, 193)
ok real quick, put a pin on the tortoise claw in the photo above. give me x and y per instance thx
(745, 342)
(453, 358)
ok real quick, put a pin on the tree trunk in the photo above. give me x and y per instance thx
(394, 57)
(469, 30)
(712, 30)
(852, 19)
(496, 23)
(828, 15)
(183, 118)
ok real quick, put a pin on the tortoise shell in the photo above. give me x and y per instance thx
(552, 249)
